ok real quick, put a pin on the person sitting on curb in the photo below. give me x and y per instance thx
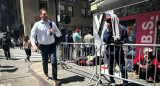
(142, 63)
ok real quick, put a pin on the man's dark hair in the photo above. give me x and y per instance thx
(42, 10)
(70, 32)
(89, 32)
(26, 38)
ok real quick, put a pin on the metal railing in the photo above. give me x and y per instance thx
(81, 55)
(89, 59)
(115, 52)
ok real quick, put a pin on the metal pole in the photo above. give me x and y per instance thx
(55, 12)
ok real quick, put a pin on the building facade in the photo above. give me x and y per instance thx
(141, 19)
(10, 17)
(80, 13)
(78, 10)
(30, 12)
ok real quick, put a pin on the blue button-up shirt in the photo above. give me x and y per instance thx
(107, 37)
(41, 30)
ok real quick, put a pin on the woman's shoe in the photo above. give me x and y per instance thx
(28, 60)
(25, 60)
(55, 83)
(46, 76)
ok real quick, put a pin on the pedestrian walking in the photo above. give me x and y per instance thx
(27, 47)
(20, 40)
(6, 42)
(117, 51)
(46, 40)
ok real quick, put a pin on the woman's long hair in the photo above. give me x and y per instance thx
(26, 39)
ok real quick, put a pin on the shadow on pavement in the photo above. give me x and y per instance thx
(80, 72)
(35, 61)
(9, 70)
(7, 66)
(71, 79)
(133, 84)
(129, 84)
(14, 59)
(2, 56)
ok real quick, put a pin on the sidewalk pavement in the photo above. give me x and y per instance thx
(69, 76)
(72, 75)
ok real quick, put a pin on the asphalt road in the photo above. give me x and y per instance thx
(15, 72)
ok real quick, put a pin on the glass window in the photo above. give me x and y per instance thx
(43, 5)
(70, 10)
(84, 12)
(89, 13)
(62, 9)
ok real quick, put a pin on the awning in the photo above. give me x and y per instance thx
(115, 4)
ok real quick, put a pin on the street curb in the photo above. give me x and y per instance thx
(42, 82)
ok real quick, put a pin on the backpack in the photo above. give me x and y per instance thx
(58, 40)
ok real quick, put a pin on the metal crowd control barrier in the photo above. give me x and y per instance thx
(133, 48)
(80, 54)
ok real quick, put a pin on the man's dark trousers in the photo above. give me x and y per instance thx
(47, 50)
(118, 59)
(6, 51)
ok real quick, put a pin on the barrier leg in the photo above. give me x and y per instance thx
(91, 78)
(105, 78)
(63, 65)
(97, 82)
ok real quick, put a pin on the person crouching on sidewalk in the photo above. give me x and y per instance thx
(141, 62)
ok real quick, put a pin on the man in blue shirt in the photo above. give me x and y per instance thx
(68, 39)
(110, 52)
(46, 39)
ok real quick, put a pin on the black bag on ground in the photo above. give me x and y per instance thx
(76, 60)
(58, 40)
(94, 61)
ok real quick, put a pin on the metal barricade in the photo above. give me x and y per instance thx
(79, 54)
(116, 53)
